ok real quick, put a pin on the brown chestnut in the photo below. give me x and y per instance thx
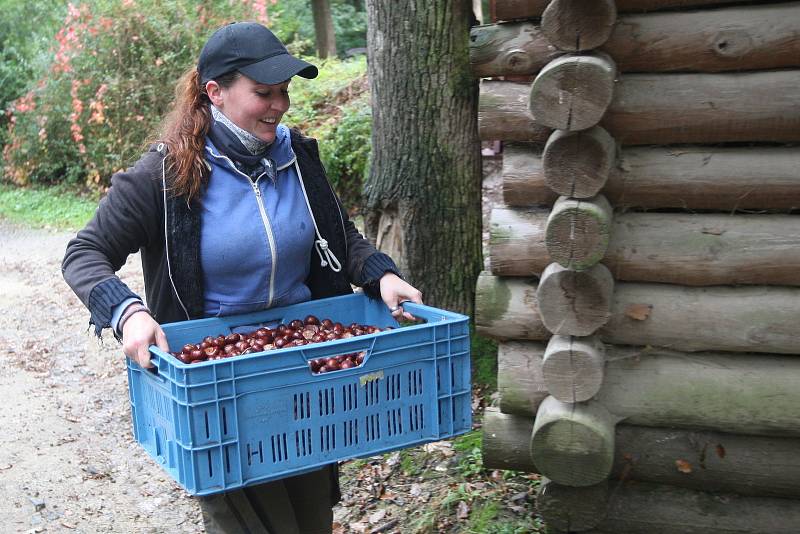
(327, 324)
(232, 338)
(311, 320)
(280, 343)
(197, 354)
(296, 324)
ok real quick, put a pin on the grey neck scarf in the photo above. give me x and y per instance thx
(253, 144)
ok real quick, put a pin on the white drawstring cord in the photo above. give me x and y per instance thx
(327, 258)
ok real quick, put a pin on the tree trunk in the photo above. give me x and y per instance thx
(425, 176)
(323, 28)
(726, 179)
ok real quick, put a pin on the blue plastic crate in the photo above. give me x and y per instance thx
(224, 424)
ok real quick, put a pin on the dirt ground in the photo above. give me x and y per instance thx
(68, 461)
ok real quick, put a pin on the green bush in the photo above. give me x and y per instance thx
(111, 79)
(113, 71)
(26, 31)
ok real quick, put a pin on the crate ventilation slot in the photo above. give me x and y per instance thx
(327, 437)
(302, 405)
(350, 432)
(302, 441)
(416, 415)
(350, 396)
(415, 382)
(394, 422)
(326, 403)
(279, 449)
(373, 427)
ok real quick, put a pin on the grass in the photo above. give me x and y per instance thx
(45, 207)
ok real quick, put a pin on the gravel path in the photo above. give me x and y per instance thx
(68, 462)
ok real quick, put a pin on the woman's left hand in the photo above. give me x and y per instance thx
(395, 291)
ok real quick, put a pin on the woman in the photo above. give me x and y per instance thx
(232, 213)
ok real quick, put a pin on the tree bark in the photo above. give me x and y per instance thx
(726, 179)
(736, 319)
(668, 109)
(525, 9)
(756, 37)
(426, 169)
(712, 461)
(323, 28)
(674, 248)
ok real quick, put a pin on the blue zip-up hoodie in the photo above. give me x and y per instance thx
(256, 237)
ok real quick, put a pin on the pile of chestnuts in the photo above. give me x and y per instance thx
(295, 334)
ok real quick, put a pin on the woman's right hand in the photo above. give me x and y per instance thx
(138, 333)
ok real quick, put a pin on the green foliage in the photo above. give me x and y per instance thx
(484, 361)
(470, 461)
(335, 108)
(110, 79)
(293, 23)
(26, 30)
(46, 208)
(114, 67)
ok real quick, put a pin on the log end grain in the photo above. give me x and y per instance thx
(573, 92)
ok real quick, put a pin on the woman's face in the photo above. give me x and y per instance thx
(253, 106)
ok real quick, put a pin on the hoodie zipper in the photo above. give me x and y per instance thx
(270, 237)
(264, 219)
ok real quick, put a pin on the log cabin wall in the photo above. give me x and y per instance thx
(645, 268)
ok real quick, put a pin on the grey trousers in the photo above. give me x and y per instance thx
(294, 505)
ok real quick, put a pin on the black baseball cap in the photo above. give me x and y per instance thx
(253, 50)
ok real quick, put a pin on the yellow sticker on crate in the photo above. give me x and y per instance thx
(371, 377)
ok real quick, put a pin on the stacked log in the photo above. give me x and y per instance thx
(645, 268)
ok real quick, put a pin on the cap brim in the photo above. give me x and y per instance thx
(278, 69)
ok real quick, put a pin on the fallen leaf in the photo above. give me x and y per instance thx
(337, 528)
(720, 451)
(639, 312)
(387, 495)
(377, 516)
(416, 490)
(712, 231)
(683, 466)
(5, 467)
(68, 525)
(462, 512)
(358, 527)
